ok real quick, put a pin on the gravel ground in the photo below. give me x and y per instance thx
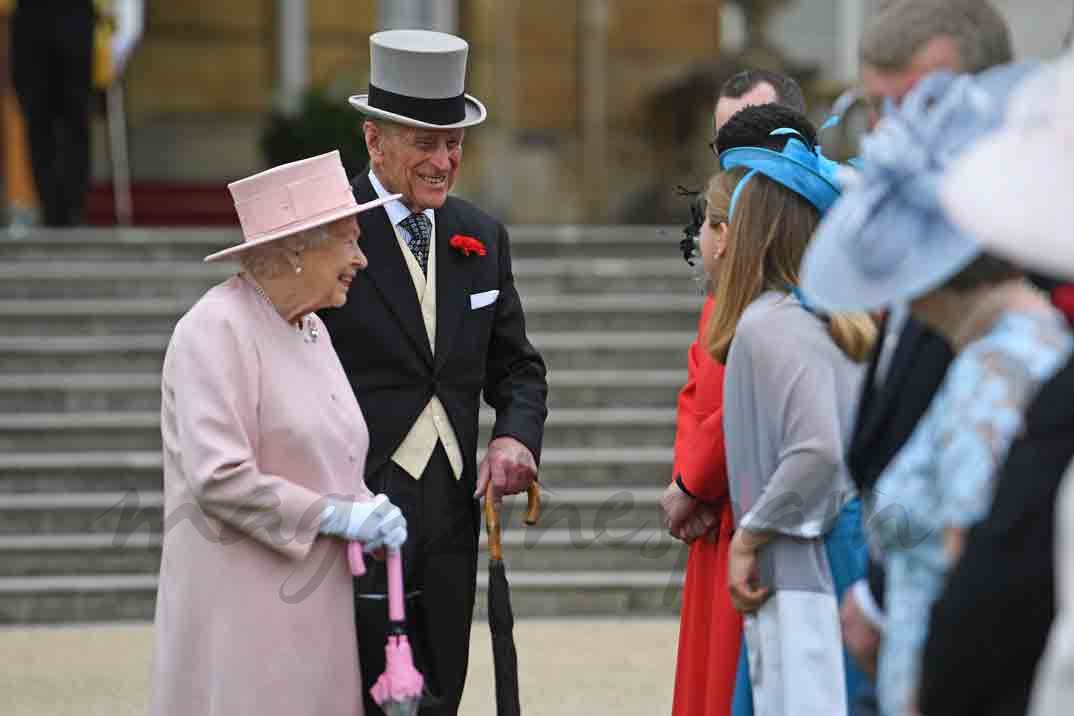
(567, 667)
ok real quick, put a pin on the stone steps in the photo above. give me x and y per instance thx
(81, 598)
(91, 598)
(566, 427)
(562, 350)
(578, 510)
(536, 549)
(100, 471)
(575, 243)
(60, 392)
(110, 317)
(187, 280)
(85, 318)
(594, 552)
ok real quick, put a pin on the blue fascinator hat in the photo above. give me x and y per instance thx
(887, 240)
(804, 171)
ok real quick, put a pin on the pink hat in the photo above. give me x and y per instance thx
(291, 198)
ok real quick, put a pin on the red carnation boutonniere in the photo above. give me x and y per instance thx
(467, 245)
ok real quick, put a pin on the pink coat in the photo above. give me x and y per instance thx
(257, 426)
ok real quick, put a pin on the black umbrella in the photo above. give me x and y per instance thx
(501, 617)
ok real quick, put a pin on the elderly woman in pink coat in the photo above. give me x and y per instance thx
(264, 451)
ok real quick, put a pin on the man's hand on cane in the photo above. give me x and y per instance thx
(509, 465)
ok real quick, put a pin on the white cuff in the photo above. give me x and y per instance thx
(758, 521)
(869, 608)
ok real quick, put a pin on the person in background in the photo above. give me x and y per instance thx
(755, 129)
(52, 69)
(792, 374)
(695, 504)
(902, 42)
(989, 629)
(264, 453)
(1053, 689)
(709, 628)
(886, 242)
(752, 87)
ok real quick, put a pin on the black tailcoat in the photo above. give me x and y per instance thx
(381, 339)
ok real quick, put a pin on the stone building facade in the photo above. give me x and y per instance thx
(598, 108)
(573, 89)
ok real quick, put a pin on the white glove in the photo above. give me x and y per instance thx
(375, 523)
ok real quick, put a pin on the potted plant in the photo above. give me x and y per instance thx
(323, 122)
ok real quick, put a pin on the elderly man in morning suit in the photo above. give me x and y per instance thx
(441, 322)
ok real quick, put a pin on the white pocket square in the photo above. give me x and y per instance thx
(485, 298)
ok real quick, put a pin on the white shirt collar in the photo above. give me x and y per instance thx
(397, 211)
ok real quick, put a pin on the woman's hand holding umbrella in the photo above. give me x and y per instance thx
(374, 523)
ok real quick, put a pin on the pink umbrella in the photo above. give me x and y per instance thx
(398, 690)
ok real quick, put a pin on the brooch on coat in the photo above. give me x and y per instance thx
(467, 245)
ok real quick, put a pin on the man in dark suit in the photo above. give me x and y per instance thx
(903, 42)
(993, 621)
(431, 324)
(989, 626)
(52, 68)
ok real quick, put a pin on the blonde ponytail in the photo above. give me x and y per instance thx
(854, 333)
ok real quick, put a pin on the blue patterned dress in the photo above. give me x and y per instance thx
(943, 478)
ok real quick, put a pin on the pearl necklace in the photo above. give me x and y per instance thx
(307, 327)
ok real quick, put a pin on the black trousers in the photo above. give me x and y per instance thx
(51, 68)
(440, 574)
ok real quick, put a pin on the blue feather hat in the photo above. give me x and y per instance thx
(887, 239)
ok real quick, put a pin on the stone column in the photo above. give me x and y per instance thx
(294, 53)
(851, 19)
(595, 108)
(444, 15)
(499, 166)
(439, 15)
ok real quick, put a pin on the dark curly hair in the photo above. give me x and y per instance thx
(753, 127)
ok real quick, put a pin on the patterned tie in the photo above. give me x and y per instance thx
(420, 229)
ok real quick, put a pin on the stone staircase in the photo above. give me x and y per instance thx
(85, 317)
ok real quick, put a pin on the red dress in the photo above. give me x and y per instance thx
(710, 629)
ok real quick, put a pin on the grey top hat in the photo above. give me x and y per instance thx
(417, 78)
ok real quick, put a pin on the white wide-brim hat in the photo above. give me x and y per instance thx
(1015, 190)
(292, 198)
(887, 240)
(418, 78)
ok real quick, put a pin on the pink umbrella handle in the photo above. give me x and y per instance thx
(396, 610)
(355, 558)
(396, 596)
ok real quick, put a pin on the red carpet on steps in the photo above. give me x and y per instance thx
(166, 204)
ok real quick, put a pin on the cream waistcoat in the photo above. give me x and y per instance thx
(433, 424)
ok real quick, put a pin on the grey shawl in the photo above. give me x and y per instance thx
(789, 395)
(789, 400)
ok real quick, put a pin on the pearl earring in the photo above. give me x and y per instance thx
(298, 269)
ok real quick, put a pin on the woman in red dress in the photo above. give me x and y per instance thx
(697, 509)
